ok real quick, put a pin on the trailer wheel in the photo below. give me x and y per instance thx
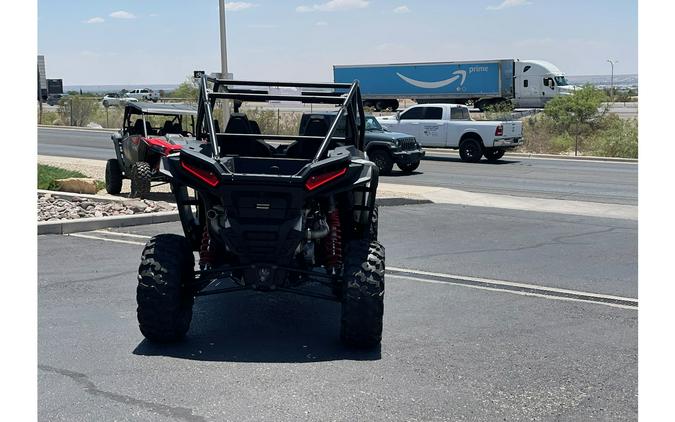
(363, 295)
(140, 179)
(494, 154)
(113, 177)
(163, 294)
(380, 106)
(470, 150)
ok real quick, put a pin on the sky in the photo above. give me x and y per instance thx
(96, 42)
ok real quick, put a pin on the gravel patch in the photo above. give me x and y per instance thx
(51, 208)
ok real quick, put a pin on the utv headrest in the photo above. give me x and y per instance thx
(238, 123)
(316, 127)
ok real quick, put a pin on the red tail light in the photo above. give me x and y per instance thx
(321, 179)
(500, 130)
(205, 176)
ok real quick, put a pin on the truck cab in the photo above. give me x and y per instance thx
(536, 82)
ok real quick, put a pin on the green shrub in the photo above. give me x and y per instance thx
(47, 176)
(615, 137)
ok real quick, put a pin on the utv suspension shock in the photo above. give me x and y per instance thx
(332, 244)
(205, 252)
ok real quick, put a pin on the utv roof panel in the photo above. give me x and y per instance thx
(167, 108)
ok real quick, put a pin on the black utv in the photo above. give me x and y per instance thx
(149, 132)
(298, 216)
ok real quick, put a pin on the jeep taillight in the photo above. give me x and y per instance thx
(500, 130)
(321, 179)
(205, 176)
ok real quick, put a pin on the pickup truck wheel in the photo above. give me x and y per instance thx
(113, 177)
(494, 154)
(106, 103)
(163, 294)
(409, 168)
(382, 160)
(470, 150)
(140, 179)
(363, 294)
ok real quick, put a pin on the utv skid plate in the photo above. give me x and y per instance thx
(205, 278)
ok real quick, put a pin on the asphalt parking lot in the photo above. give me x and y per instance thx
(536, 323)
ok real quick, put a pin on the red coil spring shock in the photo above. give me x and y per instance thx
(332, 244)
(205, 253)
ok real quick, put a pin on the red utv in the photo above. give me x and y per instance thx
(149, 132)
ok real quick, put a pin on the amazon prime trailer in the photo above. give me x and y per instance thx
(524, 83)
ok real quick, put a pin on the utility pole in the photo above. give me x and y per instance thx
(611, 83)
(223, 61)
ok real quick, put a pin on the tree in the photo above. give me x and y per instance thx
(578, 113)
(187, 89)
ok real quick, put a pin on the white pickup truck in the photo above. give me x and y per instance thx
(144, 94)
(450, 126)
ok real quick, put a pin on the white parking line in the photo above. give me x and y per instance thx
(512, 284)
(140, 236)
(540, 295)
(480, 283)
(85, 236)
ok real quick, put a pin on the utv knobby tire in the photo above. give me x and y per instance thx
(382, 160)
(113, 177)
(163, 294)
(493, 154)
(470, 150)
(409, 168)
(141, 175)
(374, 220)
(363, 296)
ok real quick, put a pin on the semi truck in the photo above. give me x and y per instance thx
(523, 83)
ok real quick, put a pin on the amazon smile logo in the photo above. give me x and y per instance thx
(435, 84)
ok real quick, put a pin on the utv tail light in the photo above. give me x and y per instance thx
(500, 130)
(205, 176)
(321, 179)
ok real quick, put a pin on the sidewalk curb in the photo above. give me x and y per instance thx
(96, 198)
(440, 153)
(95, 223)
(77, 128)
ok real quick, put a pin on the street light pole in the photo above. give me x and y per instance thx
(223, 60)
(611, 83)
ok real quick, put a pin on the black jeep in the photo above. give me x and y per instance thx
(149, 132)
(299, 217)
(383, 147)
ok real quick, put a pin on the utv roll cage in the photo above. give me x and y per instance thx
(347, 97)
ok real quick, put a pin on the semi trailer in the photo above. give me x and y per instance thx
(523, 83)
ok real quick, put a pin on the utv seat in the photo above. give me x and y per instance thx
(241, 145)
(167, 128)
(137, 128)
(254, 127)
(308, 148)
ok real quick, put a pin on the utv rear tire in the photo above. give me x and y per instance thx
(470, 150)
(409, 168)
(140, 179)
(382, 160)
(113, 177)
(363, 294)
(163, 296)
(493, 154)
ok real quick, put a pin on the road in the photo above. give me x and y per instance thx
(607, 182)
(453, 349)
